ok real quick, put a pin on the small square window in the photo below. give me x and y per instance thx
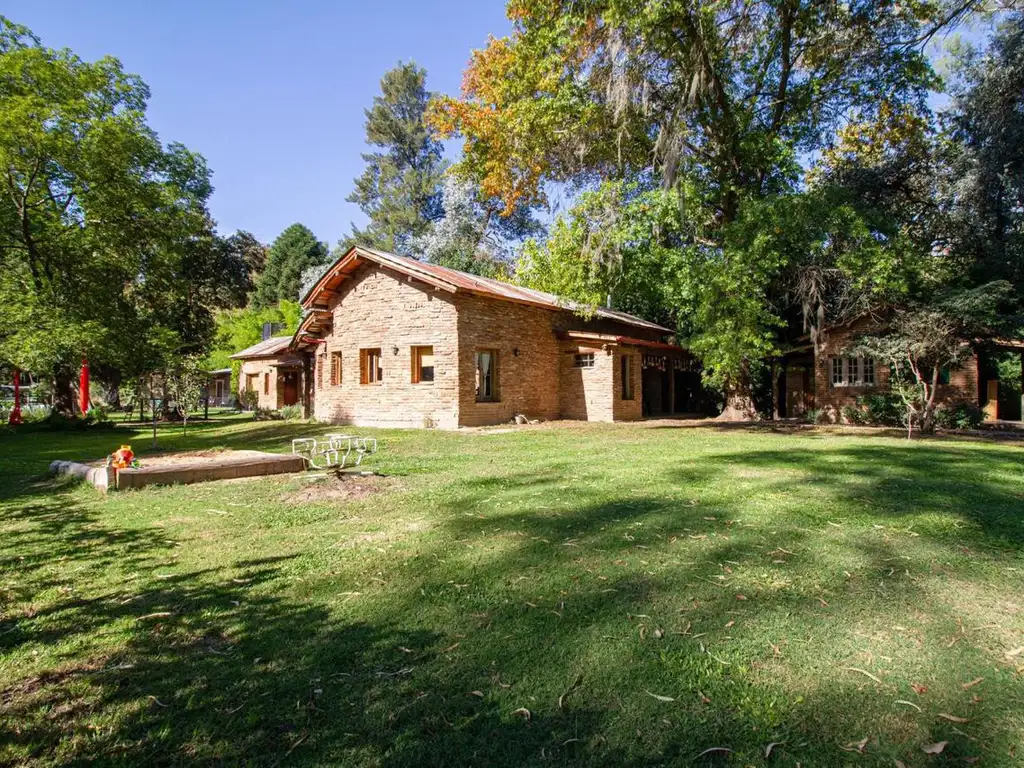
(585, 360)
(422, 365)
(486, 376)
(868, 369)
(335, 368)
(626, 373)
(370, 371)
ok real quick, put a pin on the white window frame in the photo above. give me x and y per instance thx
(851, 371)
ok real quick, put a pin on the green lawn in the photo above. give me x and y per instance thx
(561, 594)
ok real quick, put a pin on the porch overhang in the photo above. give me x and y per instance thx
(628, 341)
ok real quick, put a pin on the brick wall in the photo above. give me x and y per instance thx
(377, 308)
(627, 410)
(586, 393)
(528, 357)
(261, 367)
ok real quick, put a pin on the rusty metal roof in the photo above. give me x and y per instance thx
(267, 348)
(454, 281)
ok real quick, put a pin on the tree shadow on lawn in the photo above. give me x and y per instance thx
(431, 672)
(891, 482)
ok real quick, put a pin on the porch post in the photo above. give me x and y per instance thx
(775, 391)
(671, 373)
(307, 380)
(1022, 386)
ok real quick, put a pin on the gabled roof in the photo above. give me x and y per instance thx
(452, 281)
(275, 345)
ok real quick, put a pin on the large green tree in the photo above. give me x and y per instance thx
(107, 250)
(295, 251)
(983, 189)
(717, 103)
(471, 235)
(400, 190)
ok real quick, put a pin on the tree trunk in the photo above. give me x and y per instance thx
(739, 399)
(63, 392)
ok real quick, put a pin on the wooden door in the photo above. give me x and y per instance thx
(289, 388)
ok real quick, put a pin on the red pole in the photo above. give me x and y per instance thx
(15, 417)
(83, 388)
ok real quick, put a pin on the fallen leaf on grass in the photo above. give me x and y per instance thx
(478, 694)
(909, 704)
(659, 698)
(523, 712)
(919, 689)
(730, 624)
(741, 597)
(934, 749)
(1015, 652)
(863, 672)
(770, 747)
(973, 683)
(573, 687)
(953, 718)
(712, 749)
(857, 746)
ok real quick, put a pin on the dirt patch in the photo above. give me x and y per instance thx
(149, 461)
(339, 486)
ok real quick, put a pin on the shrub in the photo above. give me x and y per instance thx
(882, 409)
(958, 416)
(290, 412)
(264, 414)
(811, 415)
(249, 399)
(854, 414)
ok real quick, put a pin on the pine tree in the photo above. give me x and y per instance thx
(295, 250)
(400, 190)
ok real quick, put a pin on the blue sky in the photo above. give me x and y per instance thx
(271, 93)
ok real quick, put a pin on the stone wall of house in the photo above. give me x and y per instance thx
(627, 410)
(586, 393)
(528, 360)
(830, 400)
(266, 380)
(378, 309)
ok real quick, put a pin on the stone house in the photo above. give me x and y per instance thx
(273, 371)
(391, 341)
(827, 379)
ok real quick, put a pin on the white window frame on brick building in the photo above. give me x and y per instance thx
(583, 360)
(423, 364)
(487, 376)
(851, 371)
(371, 369)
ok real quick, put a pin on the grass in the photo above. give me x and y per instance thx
(568, 594)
